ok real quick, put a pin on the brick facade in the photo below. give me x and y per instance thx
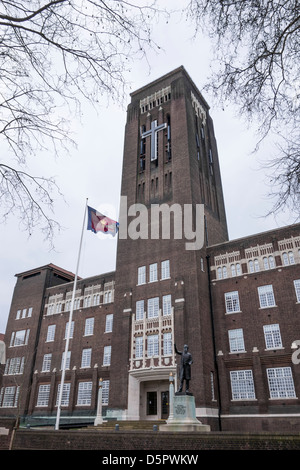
(126, 322)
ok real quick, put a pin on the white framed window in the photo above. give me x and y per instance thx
(268, 262)
(153, 307)
(109, 323)
(236, 340)
(281, 383)
(219, 272)
(43, 395)
(297, 289)
(139, 347)
(76, 304)
(153, 272)
(86, 357)
(272, 336)
(107, 297)
(253, 266)
(96, 299)
(242, 385)
(47, 362)
(288, 258)
(167, 344)
(71, 329)
(105, 392)
(89, 326)
(106, 355)
(167, 305)
(58, 307)
(9, 397)
(65, 394)
(84, 396)
(14, 366)
(266, 296)
(87, 301)
(18, 316)
(139, 310)
(224, 272)
(152, 342)
(19, 338)
(67, 361)
(50, 333)
(235, 269)
(232, 302)
(141, 275)
(165, 269)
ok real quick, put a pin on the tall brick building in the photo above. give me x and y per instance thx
(235, 303)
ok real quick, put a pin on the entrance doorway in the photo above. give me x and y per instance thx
(164, 405)
(151, 403)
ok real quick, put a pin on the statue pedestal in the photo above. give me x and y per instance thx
(182, 416)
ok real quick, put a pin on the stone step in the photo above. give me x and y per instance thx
(128, 425)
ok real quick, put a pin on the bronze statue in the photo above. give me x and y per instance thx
(185, 367)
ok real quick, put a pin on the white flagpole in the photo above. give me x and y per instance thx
(63, 372)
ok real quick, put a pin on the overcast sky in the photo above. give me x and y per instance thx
(94, 169)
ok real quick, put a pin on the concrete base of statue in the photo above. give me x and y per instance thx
(182, 416)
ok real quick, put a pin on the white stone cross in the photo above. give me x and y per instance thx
(153, 133)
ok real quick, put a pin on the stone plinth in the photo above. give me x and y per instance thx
(182, 416)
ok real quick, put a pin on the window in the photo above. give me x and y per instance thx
(232, 302)
(50, 333)
(65, 394)
(165, 269)
(71, 329)
(24, 313)
(19, 338)
(86, 357)
(167, 344)
(236, 340)
(242, 385)
(89, 327)
(152, 345)
(87, 301)
(288, 258)
(281, 384)
(297, 289)
(58, 307)
(266, 296)
(76, 303)
(84, 393)
(9, 397)
(109, 323)
(141, 275)
(105, 392)
(96, 299)
(235, 269)
(167, 305)
(107, 297)
(139, 310)
(153, 272)
(224, 272)
(43, 395)
(47, 363)
(269, 262)
(67, 360)
(253, 266)
(139, 347)
(14, 366)
(272, 336)
(106, 355)
(153, 307)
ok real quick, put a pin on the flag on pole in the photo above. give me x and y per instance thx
(98, 222)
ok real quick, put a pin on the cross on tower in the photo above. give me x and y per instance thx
(153, 133)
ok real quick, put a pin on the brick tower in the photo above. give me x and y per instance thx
(162, 297)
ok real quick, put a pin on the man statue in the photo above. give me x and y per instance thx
(185, 367)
